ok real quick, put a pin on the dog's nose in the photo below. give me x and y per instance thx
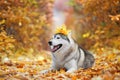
(50, 43)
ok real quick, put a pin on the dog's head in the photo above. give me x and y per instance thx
(60, 42)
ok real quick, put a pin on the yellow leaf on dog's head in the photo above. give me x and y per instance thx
(62, 29)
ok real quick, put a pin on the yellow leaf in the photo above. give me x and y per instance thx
(20, 23)
(74, 77)
(111, 56)
(62, 29)
(115, 18)
(62, 71)
(2, 22)
(86, 35)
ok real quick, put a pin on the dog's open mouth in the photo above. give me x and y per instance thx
(55, 48)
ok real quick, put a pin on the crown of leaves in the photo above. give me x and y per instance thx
(62, 29)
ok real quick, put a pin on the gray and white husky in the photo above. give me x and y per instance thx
(67, 54)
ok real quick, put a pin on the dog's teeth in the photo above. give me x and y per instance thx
(52, 47)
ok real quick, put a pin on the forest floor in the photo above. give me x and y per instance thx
(106, 67)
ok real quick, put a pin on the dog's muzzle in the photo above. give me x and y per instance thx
(54, 47)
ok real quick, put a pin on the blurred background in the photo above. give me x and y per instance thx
(27, 25)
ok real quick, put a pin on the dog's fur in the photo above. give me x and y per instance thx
(69, 56)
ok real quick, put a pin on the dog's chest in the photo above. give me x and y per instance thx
(58, 60)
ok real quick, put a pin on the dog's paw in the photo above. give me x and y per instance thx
(44, 71)
(71, 70)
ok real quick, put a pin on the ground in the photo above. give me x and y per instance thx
(106, 67)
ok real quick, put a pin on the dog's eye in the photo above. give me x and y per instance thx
(58, 37)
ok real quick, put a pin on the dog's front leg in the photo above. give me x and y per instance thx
(71, 66)
(53, 68)
(46, 71)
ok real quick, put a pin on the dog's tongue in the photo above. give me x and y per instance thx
(54, 48)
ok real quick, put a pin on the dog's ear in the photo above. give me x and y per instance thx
(69, 34)
(70, 37)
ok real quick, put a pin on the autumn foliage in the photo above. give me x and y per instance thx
(26, 27)
(105, 67)
(99, 21)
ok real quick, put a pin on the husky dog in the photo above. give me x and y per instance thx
(67, 54)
